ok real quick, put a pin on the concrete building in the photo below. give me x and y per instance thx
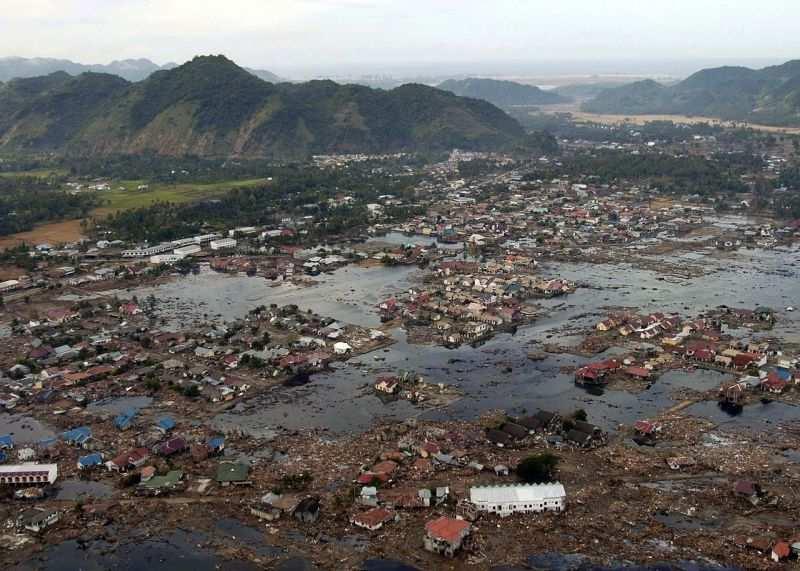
(165, 258)
(222, 244)
(9, 285)
(184, 251)
(518, 498)
(445, 535)
(28, 474)
(145, 252)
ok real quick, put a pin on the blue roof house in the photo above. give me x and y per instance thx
(90, 461)
(125, 420)
(78, 436)
(165, 424)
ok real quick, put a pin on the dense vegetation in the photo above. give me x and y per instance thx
(501, 93)
(562, 125)
(295, 191)
(26, 201)
(211, 107)
(770, 95)
(667, 173)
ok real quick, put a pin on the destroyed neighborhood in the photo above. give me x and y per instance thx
(519, 362)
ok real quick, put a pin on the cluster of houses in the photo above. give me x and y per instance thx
(701, 342)
(466, 303)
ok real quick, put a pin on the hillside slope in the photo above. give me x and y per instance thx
(770, 95)
(212, 107)
(501, 93)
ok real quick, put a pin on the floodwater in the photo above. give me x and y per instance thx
(77, 489)
(497, 374)
(118, 405)
(400, 239)
(757, 416)
(179, 551)
(350, 294)
(24, 429)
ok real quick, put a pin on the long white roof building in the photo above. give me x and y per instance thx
(519, 498)
(21, 474)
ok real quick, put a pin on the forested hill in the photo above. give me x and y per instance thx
(770, 95)
(211, 107)
(502, 93)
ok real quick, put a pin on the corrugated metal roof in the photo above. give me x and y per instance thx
(515, 493)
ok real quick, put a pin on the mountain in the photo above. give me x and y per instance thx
(211, 107)
(770, 95)
(265, 75)
(584, 90)
(130, 69)
(501, 93)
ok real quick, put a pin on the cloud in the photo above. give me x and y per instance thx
(325, 32)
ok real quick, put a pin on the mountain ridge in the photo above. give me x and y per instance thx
(134, 69)
(212, 107)
(500, 92)
(770, 95)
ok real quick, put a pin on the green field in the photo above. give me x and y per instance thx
(39, 173)
(125, 194)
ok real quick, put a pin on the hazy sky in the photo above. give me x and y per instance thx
(286, 35)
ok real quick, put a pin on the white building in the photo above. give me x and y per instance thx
(8, 285)
(341, 348)
(187, 250)
(165, 258)
(222, 244)
(243, 230)
(24, 474)
(151, 251)
(518, 498)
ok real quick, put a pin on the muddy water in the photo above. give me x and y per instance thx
(400, 239)
(118, 405)
(24, 429)
(77, 489)
(350, 294)
(179, 551)
(497, 374)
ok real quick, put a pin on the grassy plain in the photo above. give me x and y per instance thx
(124, 195)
